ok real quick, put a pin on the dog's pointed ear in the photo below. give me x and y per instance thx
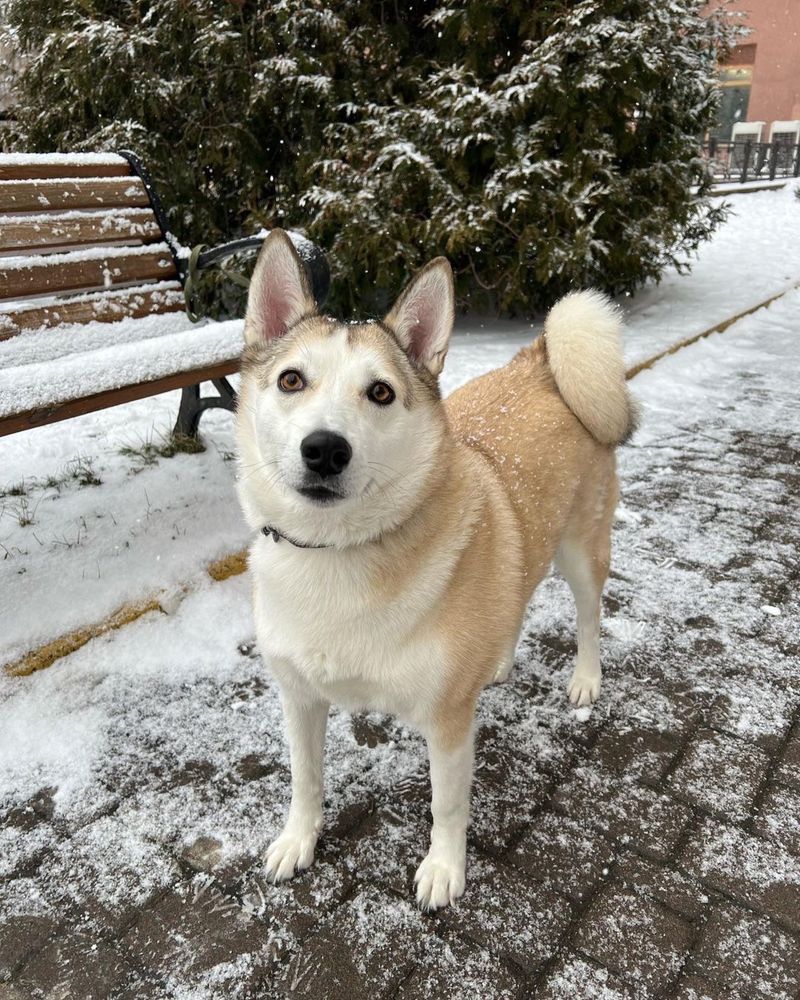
(279, 293)
(422, 318)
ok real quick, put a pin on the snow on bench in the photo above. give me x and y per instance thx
(40, 369)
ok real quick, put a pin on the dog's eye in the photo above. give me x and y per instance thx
(381, 393)
(291, 381)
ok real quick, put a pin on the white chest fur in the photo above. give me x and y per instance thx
(323, 623)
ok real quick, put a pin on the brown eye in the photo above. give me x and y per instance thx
(381, 393)
(291, 381)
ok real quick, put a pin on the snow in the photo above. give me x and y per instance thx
(42, 367)
(752, 258)
(60, 159)
(27, 262)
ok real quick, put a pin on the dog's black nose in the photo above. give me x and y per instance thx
(325, 453)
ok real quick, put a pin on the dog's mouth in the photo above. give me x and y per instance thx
(319, 494)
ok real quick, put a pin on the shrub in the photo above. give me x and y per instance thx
(540, 146)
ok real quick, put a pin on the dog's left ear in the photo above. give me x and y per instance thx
(422, 318)
(279, 293)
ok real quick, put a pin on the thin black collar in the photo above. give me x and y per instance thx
(276, 536)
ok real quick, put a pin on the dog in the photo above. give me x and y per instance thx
(401, 537)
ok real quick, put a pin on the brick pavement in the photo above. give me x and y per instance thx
(651, 852)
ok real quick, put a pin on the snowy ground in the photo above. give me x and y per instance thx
(73, 553)
(628, 855)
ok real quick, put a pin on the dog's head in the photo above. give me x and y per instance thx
(340, 425)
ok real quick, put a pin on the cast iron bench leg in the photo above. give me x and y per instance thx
(193, 405)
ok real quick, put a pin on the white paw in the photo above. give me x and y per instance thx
(439, 881)
(289, 853)
(584, 687)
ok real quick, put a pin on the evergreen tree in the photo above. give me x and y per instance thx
(540, 146)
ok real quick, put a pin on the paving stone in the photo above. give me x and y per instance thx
(697, 988)
(779, 817)
(370, 728)
(673, 888)
(457, 971)
(574, 978)
(196, 928)
(253, 767)
(20, 936)
(388, 848)
(751, 870)
(563, 854)
(366, 949)
(639, 753)
(79, 964)
(27, 920)
(290, 910)
(9, 992)
(749, 955)
(203, 854)
(636, 937)
(760, 711)
(84, 877)
(506, 911)
(22, 855)
(628, 812)
(508, 789)
(37, 809)
(789, 767)
(720, 774)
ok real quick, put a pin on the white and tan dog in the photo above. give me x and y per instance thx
(411, 533)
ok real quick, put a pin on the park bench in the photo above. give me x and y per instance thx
(92, 305)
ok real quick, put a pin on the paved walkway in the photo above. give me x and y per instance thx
(648, 852)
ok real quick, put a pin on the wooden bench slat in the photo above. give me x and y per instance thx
(67, 272)
(40, 232)
(101, 307)
(48, 171)
(32, 166)
(113, 397)
(40, 195)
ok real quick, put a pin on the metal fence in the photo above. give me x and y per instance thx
(745, 160)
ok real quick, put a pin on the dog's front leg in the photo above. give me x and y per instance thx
(440, 877)
(306, 719)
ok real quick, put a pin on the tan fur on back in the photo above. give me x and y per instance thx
(536, 473)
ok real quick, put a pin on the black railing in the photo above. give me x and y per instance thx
(745, 160)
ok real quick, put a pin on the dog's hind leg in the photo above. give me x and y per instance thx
(583, 559)
(505, 666)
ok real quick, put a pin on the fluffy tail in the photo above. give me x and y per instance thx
(584, 351)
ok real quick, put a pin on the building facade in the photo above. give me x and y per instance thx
(761, 79)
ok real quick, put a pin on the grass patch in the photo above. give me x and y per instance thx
(21, 511)
(15, 490)
(151, 449)
(81, 471)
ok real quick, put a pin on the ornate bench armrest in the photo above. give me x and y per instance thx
(314, 260)
(201, 257)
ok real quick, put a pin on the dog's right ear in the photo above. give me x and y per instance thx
(279, 293)
(422, 318)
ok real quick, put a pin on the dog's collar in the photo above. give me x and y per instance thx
(276, 536)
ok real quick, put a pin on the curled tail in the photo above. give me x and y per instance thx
(584, 351)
